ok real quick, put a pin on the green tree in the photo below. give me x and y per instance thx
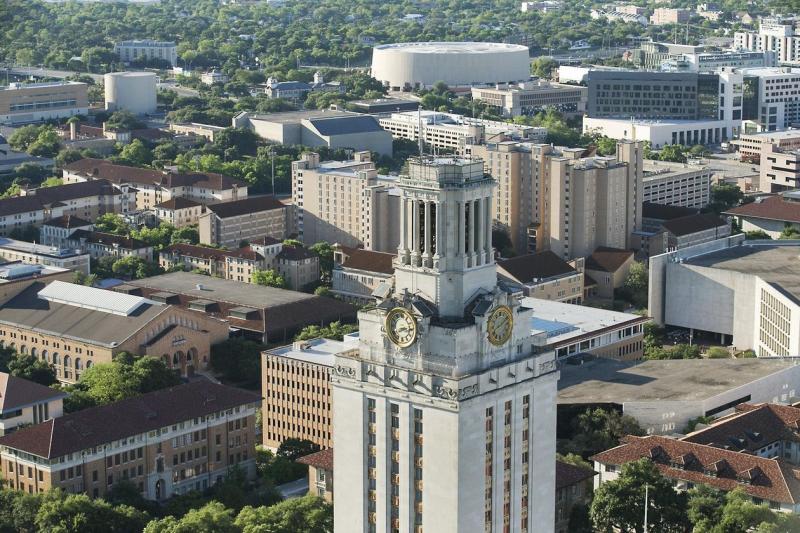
(243, 140)
(126, 376)
(309, 514)
(135, 267)
(237, 360)
(211, 518)
(157, 237)
(705, 507)
(325, 252)
(293, 449)
(543, 67)
(67, 156)
(634, 288)
(29, 367)
(334, 330)
(595, 430)
(679, 351)
(123, 121)
(78, 512)
(136, 153)
(269, 278)
(47, 143)
(619, 504)
(112, 223)
(31, 173)
(789, 232)
(675, 153)
(741, 514)
(725, 196)
(606, 145)
(718, 352)
(757, 235)
(185, 234)
(23, 137)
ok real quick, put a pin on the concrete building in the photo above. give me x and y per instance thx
(444, 380)
(24, 402)
(296, 380)
(743, 291)
(345, 202)
(416, 65)
(152, 187)
(543, 275)
(770, 214)
(678, 184)
(296, 91)
(695, 229)
(144, 50)
(334, 129)
(263, 314)
(131, 91)
(37, 254)
(532, 202)
(22, 103)
(529, 98)
(690, 58)
(774, 35)
(358, 273)
(73, 327)
(772, 99)
(663, 396)
(230, 223)
(750, 145)
(206, 131)
(577, 330)
(385, 105)
(179, 211)
(667, 15)
(608, 267)
(213, 76)
(454, 132)
(173, 441)
(70, 232)
(619, 16)
(85, 200)
(779, 169)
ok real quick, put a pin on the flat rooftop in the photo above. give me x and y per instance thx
(774, 263)
(290, 117)
(561, 322)
(608, 381)
(777, 135)
(38, 249)
(664, 169)
(221, 290)
(20, 86)
(316, 351)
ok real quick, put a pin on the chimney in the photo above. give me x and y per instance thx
(73, 130)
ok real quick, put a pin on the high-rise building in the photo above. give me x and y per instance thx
(444, 418)
(344, 202)
(565, 199)
(771, 99)
(774, 35)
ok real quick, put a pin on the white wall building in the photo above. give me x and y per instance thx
(445, 422)
(130, 51)
(680, 184)
(775, 36)
(131, 91)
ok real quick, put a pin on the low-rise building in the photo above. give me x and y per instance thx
(213, 76)
(779, 169)
(770, 214)
(263, 314)
(99, 244)
(296, 91)
(668, 15)
(56, 231)
(572, 330)
(179, 211)
(573, 487)
(173, 441)
(38, 254)
(153, 187)
(694, 229)
(320, 474)
(323, 127)
(608, 267)
(144, 50)
(22, 103)
(295, 381)
(229, 223)
(543, 275)
(750, 145)
(529, 98)
(24, 402)
(73, 327)
(206, 131)
(679, 184)
(664, 395)
(357, 273)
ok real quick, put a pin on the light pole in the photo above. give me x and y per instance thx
(646, 504)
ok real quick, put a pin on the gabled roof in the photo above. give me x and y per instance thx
(665, 212)
(751, 427)
(368, 261)
(67, 222)
(108, 239)
(90, 427)
(534, 267)
(16, 393)
(322, 459)
(178, 203)
(254, 204)
(119, 174)
(606, 259)
(295, 253)
(204, 252)
(770, 208)
(693, 224)
(568, 475)
(38, 199)
(767, 479)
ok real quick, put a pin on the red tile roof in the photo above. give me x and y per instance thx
(607, 259)
(751, 428)
(367, 260)
(178, 203)
(204, 252)
(254, 204)
(90, 427)
(568, 475)
(767, 479)
(103, 169)
(693, 224)
(537, 266)
(67, 222)
(322, 459)
(770, 208)
(17, 392)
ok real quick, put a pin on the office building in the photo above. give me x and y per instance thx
(358, 273)
(296, 380)
(323, 127)
(678, 184)
(231, 223)
(445, 379)
(774, 35)
(453, 132)
(770, 214)
(771, 99)
(750, 145)
(667, 15)
(24, 402)
(529, 98)
(263, 314)
(22, 103)
(745, 292)
(152, 187)
(173, 441)
(296, 91)
(345, 202)
(619, 16)
(543, 275)
(73, 327)
(532, 203)
(147, 50)
(38, 254)
(779, 170)
(666, 107)
(691, 58)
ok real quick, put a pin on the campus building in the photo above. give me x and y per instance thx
(231, 223)
(529, 98)
(22, 103)
(24, 402)
(678, 184)
(144, 50)
(172, 441)
(774, 35)
(358, 273)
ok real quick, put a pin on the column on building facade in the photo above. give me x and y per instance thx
(487, 228)
(472, 217)
(426, 252)
(480, 246)
(415, 244)
(439, 229)
(461, 229)
(402, 250)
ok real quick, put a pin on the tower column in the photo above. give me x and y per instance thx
(461, 229)
(439, 227)
(472, 228)
(415, 232)
(487, 202)
(402, 250)
(426, 253)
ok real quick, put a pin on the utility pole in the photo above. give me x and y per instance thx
(646, 504)
(272, 158)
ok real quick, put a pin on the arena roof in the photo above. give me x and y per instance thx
(452, 47)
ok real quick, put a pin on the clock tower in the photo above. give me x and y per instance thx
(444, 417)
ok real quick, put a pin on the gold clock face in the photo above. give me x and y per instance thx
(401, 327)
(500, 325)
